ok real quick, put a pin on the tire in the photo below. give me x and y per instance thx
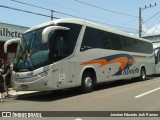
(87, 82)
(142, 74)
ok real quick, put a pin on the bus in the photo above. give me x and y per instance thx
(155, 39)
(68, 52)
(156, 46)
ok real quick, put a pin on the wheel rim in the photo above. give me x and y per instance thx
(143, 75)
(88, 82)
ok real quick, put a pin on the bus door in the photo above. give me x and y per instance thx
(59, 54)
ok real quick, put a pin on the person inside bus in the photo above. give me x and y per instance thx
(7, 76)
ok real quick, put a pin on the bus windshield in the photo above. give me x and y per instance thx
(31, 52)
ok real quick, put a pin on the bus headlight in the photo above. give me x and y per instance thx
(45, 73)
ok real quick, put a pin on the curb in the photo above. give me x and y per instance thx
(13, 93)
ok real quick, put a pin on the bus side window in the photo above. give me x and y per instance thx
(92, 39)
(87, 40)
(60, 45)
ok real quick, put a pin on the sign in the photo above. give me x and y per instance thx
(8, 31)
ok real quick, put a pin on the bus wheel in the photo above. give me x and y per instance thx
(142, 74)
(87, 82)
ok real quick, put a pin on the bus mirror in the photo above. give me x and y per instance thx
(16, 40)
(47, 30)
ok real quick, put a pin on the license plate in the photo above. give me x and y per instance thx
(24, 86)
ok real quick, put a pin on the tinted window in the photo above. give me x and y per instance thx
(94, 38)
(72, 35)
(135, 45)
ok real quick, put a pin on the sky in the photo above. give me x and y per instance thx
(119, 14)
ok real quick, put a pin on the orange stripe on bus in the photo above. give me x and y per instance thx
(122, 60)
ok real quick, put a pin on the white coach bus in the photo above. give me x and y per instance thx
(157, 56)
(67, 53)
(156, 46)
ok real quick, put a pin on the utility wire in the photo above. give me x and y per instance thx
(152, 24)
(57, 12)
(155, 29)
(26, 11)
(31, 5)
(105, 9)
(44, 8)
(151, 17)
(84, 13)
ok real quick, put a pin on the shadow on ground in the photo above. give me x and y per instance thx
(62, 94)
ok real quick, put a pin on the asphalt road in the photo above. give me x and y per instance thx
(123, 95)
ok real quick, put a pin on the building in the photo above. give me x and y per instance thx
(153, 38)
(8, 31)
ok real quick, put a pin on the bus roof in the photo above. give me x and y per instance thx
(87, 23)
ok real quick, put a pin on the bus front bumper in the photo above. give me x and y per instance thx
(32, 84)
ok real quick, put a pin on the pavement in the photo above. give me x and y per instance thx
(13, 93)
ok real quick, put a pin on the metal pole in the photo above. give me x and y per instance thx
(140, 17)
(140, 22)
(52, 14)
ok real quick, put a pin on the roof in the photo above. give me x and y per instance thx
(54, 22)
(87, 23)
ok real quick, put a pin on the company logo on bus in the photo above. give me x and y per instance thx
(125, 60)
